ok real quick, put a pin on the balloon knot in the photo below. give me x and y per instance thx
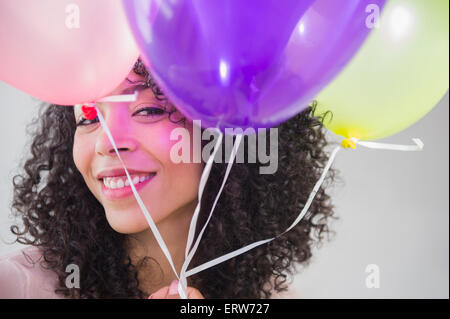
(349, 142)
(89, 111)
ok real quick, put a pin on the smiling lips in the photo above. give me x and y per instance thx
(118, 182)
(115, 184)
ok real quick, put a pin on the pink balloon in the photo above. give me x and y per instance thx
(64, 51)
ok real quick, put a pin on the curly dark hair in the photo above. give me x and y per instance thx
(62, 217)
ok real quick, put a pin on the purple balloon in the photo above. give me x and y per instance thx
(252, 63)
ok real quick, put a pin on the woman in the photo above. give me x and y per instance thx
(77, 208)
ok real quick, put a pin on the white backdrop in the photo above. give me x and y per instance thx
(393, 211)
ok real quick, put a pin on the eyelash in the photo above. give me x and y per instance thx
(151, 109)
(154, 110)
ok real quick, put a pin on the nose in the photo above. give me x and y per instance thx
(118, 122)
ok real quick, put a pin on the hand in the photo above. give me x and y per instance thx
(171, 292)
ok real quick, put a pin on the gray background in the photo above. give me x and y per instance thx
(393, 210)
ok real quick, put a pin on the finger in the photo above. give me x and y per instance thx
(173, 291)
(160, 294)
(193, 293)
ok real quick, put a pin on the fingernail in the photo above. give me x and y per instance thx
(173, 289)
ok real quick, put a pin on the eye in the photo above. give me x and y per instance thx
(151, 112)
(84, 122)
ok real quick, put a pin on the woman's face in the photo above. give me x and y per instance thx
(142, 136)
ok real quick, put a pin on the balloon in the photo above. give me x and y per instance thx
(399, 74)
(65, 52)
(234, 63)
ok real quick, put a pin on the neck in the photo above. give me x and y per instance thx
(155, 271)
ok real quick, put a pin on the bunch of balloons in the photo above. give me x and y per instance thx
(377, 65)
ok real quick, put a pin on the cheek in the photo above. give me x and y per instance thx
(182, 178)
(162, 145)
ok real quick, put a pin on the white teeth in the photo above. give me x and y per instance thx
(122, 181)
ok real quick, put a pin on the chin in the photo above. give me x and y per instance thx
(127, 222)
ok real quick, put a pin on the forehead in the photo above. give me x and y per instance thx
(132, 79)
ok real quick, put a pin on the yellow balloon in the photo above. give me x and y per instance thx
(398, 75)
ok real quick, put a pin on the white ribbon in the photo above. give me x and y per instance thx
(242, 250)
(182, 282)
(190, 254)
(392, 147)
(113, 98)
(417, 147)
